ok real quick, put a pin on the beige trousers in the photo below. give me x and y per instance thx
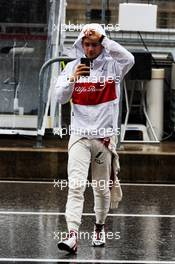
(81, 154)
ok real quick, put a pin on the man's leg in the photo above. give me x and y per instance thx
(101, 171)
(78, 167)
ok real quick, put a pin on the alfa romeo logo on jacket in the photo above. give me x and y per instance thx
(88, 93)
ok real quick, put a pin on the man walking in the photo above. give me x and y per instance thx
(95, 92)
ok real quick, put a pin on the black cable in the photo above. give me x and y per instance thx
(144, 44)
(156, 65)
(168, 136)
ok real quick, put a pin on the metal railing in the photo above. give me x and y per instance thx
(42, 113)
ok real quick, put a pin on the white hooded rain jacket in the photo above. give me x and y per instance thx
(95, 99)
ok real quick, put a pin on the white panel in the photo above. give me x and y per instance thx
(137, 17)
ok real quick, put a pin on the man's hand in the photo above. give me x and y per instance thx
(81, 70)
(92, 35)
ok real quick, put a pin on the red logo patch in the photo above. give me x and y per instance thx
(89, 93)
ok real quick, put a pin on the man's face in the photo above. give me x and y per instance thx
(91, 49)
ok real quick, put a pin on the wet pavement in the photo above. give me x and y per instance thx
(141, 230)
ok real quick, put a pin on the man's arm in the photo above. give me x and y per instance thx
(66, 80)
(64, 87)
(123, 58)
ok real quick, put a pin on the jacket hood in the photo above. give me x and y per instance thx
(78, 43)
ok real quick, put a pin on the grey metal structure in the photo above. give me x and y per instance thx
(42, 107)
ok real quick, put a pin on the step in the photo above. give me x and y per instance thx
(21, 160)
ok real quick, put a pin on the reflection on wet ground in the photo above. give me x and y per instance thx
(32, 221)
